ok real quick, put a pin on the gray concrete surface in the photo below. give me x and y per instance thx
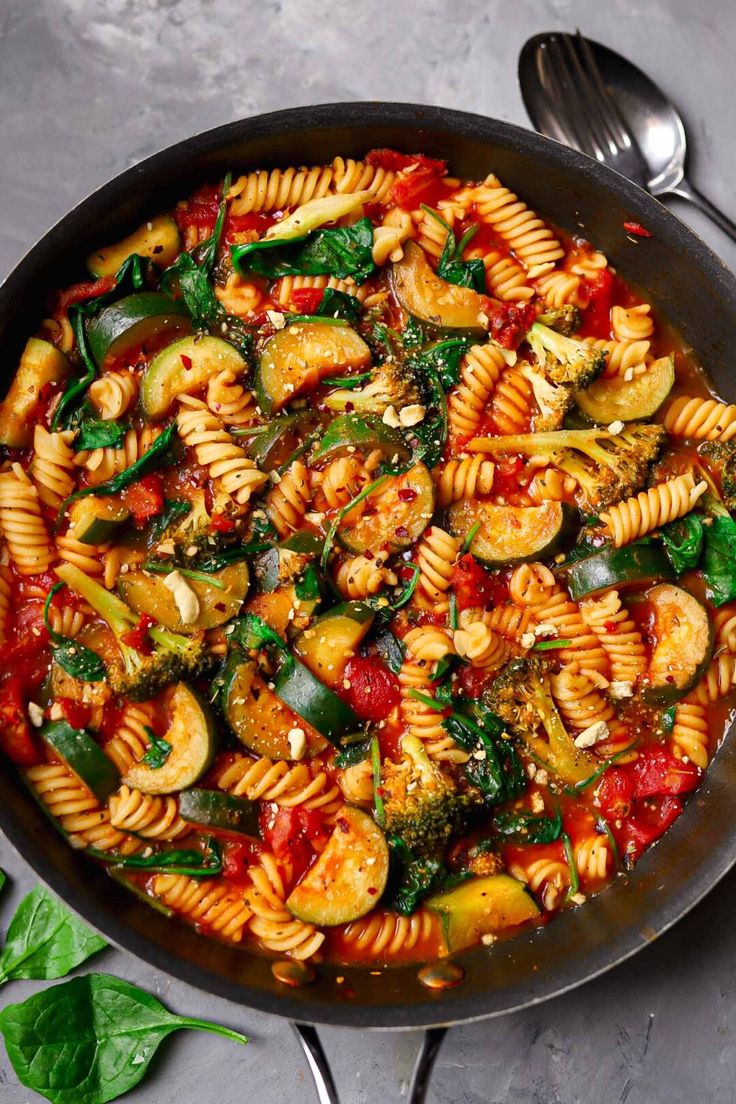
(87, 87)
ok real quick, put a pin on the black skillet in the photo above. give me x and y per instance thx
(685, 280)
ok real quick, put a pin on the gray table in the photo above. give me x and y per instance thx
(89, 86)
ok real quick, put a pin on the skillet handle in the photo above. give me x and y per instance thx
(322, 1074)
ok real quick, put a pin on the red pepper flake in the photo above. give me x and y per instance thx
(407, 494)
(670, 678)
(372, 891)
(222, 524)
(610, 626)
(343, 825)
(401, 531)
(186, 361)
(137, 637)
(349, 407)
(637, 229)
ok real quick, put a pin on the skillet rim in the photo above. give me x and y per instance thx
(425, 1009)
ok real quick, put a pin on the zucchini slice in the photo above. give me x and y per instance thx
(132, 321)
(212, 809)
(617, 399)
(365, 432)
(482, 906)
(394, 515)
(283, 436)
(84, 757)
(283, 610)
(258, 718)
(315, 703)
(296, 358)
(158, 239)
(286, 561)
(684, 644)
(421, 292)
(149, 594)
(329, 642)
(349, 876)
(183, 368)
(40, 363)
(192, 736)
(637, 564)
(512, 534)
(96, 520)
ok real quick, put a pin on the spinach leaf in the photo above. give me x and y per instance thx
(413, 877)
(341, 252)
(307, 587)
(192, 275)
(174, 510)
(45, 940)
(451, 266)
(3, 878)
(338, 304)
(158, 750)
(413, 334)
(353, 754)
(207, 251)
(444, 357)
(391, 650)
(683, 542)
(527, 828)
(217, 560)
(348, 383)
(189, 863)
(431, 434)
(250, 631)
(71, 655)
(719, 559)
(91, 1039)
(494, 767)
(159, 453)
(95, 433)
(379, 809)
(667, 720)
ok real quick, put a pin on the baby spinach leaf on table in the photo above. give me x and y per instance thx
(718, 562)
(525, 827)
(342, 251)
(45, 940)
(683, 542)
(71, 655)
(3, 878)
(95, 433)
(91, 1039)
(158, 750)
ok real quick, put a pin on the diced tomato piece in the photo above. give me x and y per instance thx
(373, 691)
(657, 771)
(201, 209)
(237, 858)
(392, 160)
(506, 479)
(78, 293)
(472, 584)
(472, 681)
(306, 300)
(16, 738)
(637, 230)
(137, 637)
(145, 499)
(648, 821)
(615, 793)
(597, 315)
(415, 186)
(76, 713)
(509, 322)
(222, 524)
(290, 833)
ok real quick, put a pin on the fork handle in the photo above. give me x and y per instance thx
(685, 190)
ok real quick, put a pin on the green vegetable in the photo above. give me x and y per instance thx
(378, 806)
(414, 877)
(224, 811)
(527, 828)
(157, 752)
(94, 433)
(193, 275)
(426, 296)
(498, 775)
(451, 266)
(338, 304)
(391, 649)
(156, 240)
(132, 321)
(174, 509)
(636, 564)
(84, 757)
(188, 863)
(78, 386)
(683, 542)
(341, 252)
(353, 753)
(431, 433)
(91, 1039)
(570, 860)
(71, 655)
(45, 940)
(719, 559)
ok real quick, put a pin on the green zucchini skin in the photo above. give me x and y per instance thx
(514, 534)
(366, 432)
(212, 809)
(611, 399)
(282, 437)
(84, 757)
(314, 702)
(134, 319)
(285, 561)
(634, 565)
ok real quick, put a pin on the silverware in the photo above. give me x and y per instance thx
(593, 99)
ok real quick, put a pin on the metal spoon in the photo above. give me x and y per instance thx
(573, 88)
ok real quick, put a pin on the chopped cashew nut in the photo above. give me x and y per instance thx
(186, 600)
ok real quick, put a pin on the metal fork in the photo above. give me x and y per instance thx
(597, 127)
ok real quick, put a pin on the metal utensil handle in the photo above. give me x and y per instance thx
(685, 190)
(322, 1074)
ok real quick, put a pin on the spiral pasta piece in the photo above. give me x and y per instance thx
(632, 323)
(227, 463)
(564, 616)
(239, 296)
(421, 720)
(546, 877)
(362, 576)
(701, 419)
(580, 703)
(87, 557)
(102, 464)
(388, 238)
(341, 480)
(229, 400)
(510, 622)
(480, 370)
(690, 734)
(130, 740)
(385, 934)
(86, 822)
(436, 555)
(278, 189)
(52, 466)
(481, 646)
(640, 514)
(146, 815)
(560, 288)
(531, 240)
(718, 681)
(505, 278)
(623, 358)
(593, 858)
(288, 501)
(284, 288)
(724, 623)
(551, 485)
(6, 601)
(467, 478)
(66, 620)
(286, 784)
(210, 904)
(531, 584)
(21, 522)
(271, 922)
(430, 233)
(589, 264)
(356, 783)
(358, 176)
(511, 404)
(618, 634)
(113, 394)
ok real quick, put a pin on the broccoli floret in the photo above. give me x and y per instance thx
(565, 319)
(607, 466)
(173, 657)
(195, 530)
(521, 696)
(722, 455)
(563, 366)
(392, 384)
(423, 804)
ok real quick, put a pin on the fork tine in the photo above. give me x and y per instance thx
(588, 93)
(613, 119)
(565, 90)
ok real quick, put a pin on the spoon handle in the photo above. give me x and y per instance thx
(685, 190)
